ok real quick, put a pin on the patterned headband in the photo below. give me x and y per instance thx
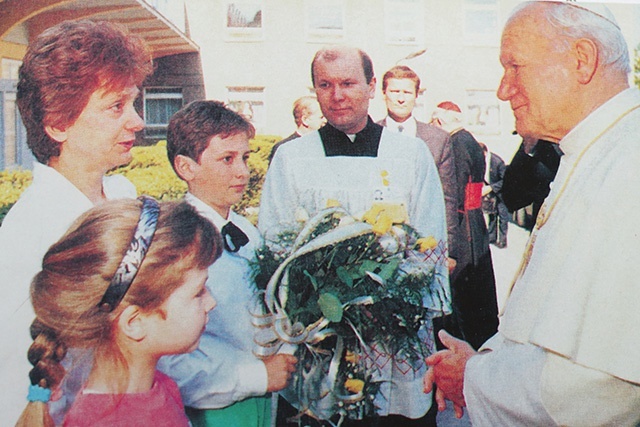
(132, 260)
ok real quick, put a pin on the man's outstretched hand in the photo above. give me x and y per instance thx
(447, 372)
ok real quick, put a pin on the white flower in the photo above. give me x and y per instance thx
(301, 215)
(389, 244)
(346, 220)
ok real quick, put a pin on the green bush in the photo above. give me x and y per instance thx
(152, 174)
(12, 184)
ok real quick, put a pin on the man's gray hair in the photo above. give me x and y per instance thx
(576, 22)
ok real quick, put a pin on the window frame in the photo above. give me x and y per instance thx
(414, 13)
(246, 33)
(159, 130)
(254, 97)
(490, 35)
(483, 112)
(317, 34)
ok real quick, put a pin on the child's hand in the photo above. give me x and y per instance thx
(279, 370)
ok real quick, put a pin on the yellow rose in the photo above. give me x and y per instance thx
(354, 385)
(382, 224)
(351, 357)
(397, 212)
(332, 203)
(426, 243)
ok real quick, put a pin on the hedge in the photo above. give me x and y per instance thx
(152, 174)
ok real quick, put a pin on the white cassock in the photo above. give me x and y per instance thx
(302, 176)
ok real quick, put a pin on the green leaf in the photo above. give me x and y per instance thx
(314, 282)
(331, 307)
(345, 276)
(387, 270)
(368, 265)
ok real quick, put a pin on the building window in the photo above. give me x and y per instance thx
(159, 105)
(248, 101)
(325, 20)
(483, 112)
(13, 146)
(481, 22)
(10, 68)
(404, 21)
(243, 20)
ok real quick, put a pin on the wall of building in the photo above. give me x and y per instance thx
(461, 38)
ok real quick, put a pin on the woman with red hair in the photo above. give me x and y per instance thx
(76, 92)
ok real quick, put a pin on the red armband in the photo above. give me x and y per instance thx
(473, 196)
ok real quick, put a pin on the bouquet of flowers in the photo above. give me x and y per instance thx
(335, 289)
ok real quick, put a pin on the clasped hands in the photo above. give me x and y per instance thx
(446, 371)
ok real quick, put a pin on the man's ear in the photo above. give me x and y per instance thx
(132, 323)
(372, 88)
(305, 120)
(586, 53)
(55, 133)
(186, 167)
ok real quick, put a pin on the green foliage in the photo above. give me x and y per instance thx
(12, 184)
(152, 175)
(258, 163)
(339, 290)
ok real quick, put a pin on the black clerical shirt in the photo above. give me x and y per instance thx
(337, 143)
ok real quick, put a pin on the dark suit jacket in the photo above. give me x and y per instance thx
(279, 143)
(437, 141)
(527, 178)
(496, 174)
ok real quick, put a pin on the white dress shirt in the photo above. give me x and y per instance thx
(223, 369)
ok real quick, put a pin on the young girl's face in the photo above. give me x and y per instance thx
(185, 315)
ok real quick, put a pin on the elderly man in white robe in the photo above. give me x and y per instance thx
(567, 349)
(355, 162)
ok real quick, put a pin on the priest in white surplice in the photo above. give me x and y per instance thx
(568, 350)
(355, 162)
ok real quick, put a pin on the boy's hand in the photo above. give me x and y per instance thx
(279, 370)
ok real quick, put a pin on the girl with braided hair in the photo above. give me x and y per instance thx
(124, 286)
(77, 95)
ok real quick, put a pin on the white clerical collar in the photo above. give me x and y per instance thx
(599, 120)
(409, 126)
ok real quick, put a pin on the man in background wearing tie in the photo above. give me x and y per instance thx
(222, 382)
(400, 89)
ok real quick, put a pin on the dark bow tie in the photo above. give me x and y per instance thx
(233, 237)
